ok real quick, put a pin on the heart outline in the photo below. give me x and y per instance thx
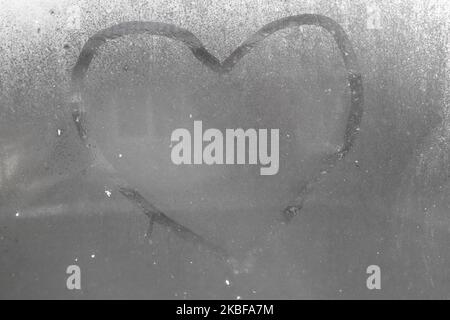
(171, 31)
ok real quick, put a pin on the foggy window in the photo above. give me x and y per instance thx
(117, 179)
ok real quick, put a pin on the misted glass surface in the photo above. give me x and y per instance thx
(221, 231)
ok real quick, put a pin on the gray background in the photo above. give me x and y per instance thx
(387, 203)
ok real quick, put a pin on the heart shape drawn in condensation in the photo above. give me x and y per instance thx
(199, 51)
